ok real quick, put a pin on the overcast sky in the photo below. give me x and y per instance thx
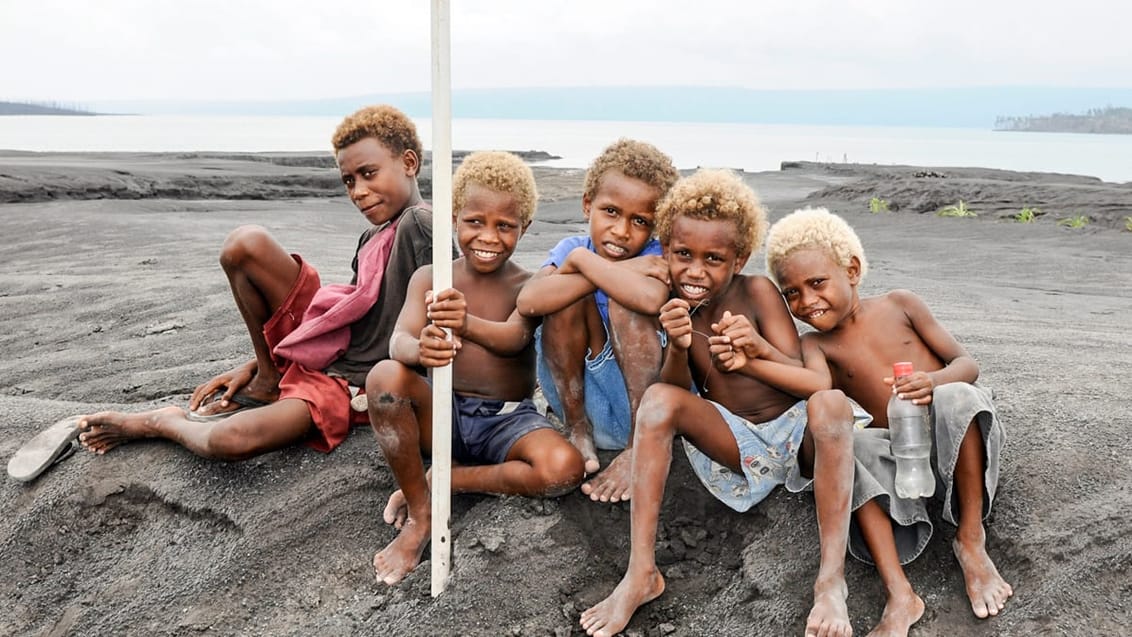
(68, 50)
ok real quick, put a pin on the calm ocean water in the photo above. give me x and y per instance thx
(747, 146)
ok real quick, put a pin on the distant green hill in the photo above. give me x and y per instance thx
(39, 108)
(1109, 121)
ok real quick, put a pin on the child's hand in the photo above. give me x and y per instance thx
(917, 387)
(676, 319)
(448, 310)
(724, 356)
(436, 350)
(741, 335)
(650, 265)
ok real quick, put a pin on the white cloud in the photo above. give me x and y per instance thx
(245, 49)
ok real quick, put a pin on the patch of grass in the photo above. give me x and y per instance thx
(876, 204)
(1027, 215)
(1128, 224)
(958, 210)
(1076, 221)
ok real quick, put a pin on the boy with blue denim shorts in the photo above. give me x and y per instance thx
(599, 294)
(736, 394)
(500, 442)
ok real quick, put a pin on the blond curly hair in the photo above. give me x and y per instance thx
(635, 159)
(498, 171)
(714, 194)
(388, 125)
(813, 228)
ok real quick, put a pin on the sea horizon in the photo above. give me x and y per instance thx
(739, 146)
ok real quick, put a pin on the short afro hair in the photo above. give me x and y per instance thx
(714, 194)
(498, 171)
(813, 228)
(388, 125)
(635, 159)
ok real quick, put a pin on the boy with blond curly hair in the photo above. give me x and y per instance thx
(732, 386)
(818, 262)
(499, 440)
(599, 294)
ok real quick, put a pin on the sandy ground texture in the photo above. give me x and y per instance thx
(111, 297)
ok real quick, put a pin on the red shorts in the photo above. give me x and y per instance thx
(327, 397)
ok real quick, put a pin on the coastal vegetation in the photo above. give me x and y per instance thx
(1076, 221)
(958, 210)
(1027, 215)
(876, 204)
(41, 108)
(1109, 120)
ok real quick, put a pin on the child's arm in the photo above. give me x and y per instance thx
(639, 284)
(958, 365)
(415, 342)
(772, 352)
(676, 319)
(550, 290)
(503, 338)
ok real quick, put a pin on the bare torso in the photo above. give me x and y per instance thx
(742, 395)
(478, 371)
(861, 351)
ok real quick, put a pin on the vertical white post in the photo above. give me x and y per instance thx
(441, 280)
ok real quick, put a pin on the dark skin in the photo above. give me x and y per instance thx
(855, 345)
(740, 347)
(620, 216)
(492, 354)
(261, 274)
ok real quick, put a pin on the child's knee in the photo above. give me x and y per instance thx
(561, 470)
(658, 409)
(242, 244)
(829, 416)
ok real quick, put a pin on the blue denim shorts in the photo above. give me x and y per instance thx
(607, 399)
(483, 431)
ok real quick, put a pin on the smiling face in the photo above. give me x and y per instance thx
(379, 182)
(702, 258)
(817, 290)
(621, 215)
(488, 227)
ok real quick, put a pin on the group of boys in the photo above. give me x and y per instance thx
(640, 331)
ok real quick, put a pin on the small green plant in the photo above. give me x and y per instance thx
(1076, 221)
(1027, 215)
(876, 204)
(1128, 224)
(958, 210)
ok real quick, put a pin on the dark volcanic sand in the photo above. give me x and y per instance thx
(111, 297)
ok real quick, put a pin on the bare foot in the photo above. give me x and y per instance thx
(252, 395)
(900, 612)
(392, 563)
(829, 616)
(615, 483)
(105, 430)
(583, 440)
(986, 589)
(396, 510)
(610, 615)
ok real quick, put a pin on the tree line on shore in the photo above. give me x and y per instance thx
(42, 108)
(1107, 120)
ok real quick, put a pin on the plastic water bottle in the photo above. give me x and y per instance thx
(910, 430)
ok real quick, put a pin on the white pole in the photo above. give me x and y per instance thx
(441, 280)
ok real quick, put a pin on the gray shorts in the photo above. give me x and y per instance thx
(954, 406)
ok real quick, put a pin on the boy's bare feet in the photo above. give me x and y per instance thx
(580, 436)
(396, 509)
(609, 616)
(251, 394)
(392, 563)
(829, 617)
(986, 589)
(108, 429)
(900, 612)
(615, 483)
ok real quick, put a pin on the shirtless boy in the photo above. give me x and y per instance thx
(501, 442)
(746, 430)
(298, 386)
(818, 262)
(599, 293)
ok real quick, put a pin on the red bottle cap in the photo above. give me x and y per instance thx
(901, 369)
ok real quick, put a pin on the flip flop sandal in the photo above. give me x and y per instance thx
(241, 401)
(47, 447)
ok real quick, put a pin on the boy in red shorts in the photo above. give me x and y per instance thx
(313, 345)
